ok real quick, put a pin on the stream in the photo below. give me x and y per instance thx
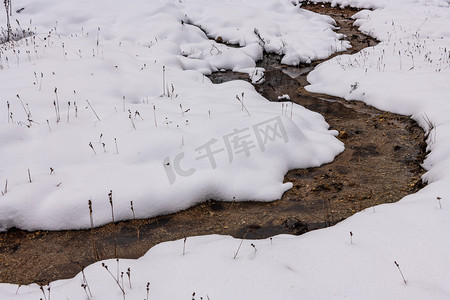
(380, 164)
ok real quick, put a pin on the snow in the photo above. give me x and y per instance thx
(407, 73)
(278, 26)
(133, 75)
(323, 264)
(284, 97)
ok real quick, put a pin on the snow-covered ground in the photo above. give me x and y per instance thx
(116, 99)
(408, 72)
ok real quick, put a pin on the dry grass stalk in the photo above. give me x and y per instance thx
(93, 110)
(242, 240)
(113, 221)
(129, 276)
(134, 218)
(43, 292)
(117, 149)
(137, 113)
(131, 120)
(401, 273)
(85, 283)
(40, 83)
(7, 105)
(58, 115)
(92, 147)
(23, 106)
(164, 80)
(18, 287)
(116, 280)
(112, 205)
(68, 108)
(439, 199)
(154, 115)
(96, 256)
(243, 106)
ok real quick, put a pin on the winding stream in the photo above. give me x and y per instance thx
(380, 164)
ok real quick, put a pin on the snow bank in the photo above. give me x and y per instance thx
(278, 26)
(323, 264)
(116, 99)
(407, 73)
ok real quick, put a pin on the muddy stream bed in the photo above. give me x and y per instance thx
(380, 164)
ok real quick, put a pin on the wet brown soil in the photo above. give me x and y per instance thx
(380, 164)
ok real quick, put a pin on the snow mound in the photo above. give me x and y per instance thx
(115, 100)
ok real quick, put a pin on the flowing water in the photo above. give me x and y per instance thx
(380, 164)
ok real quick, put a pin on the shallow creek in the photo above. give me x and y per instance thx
(380, 164)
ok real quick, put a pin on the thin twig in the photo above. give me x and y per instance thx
(401, 273)
(93, 109)
(239, 99)
(129, 276)
(117, 281)
(242, 240)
